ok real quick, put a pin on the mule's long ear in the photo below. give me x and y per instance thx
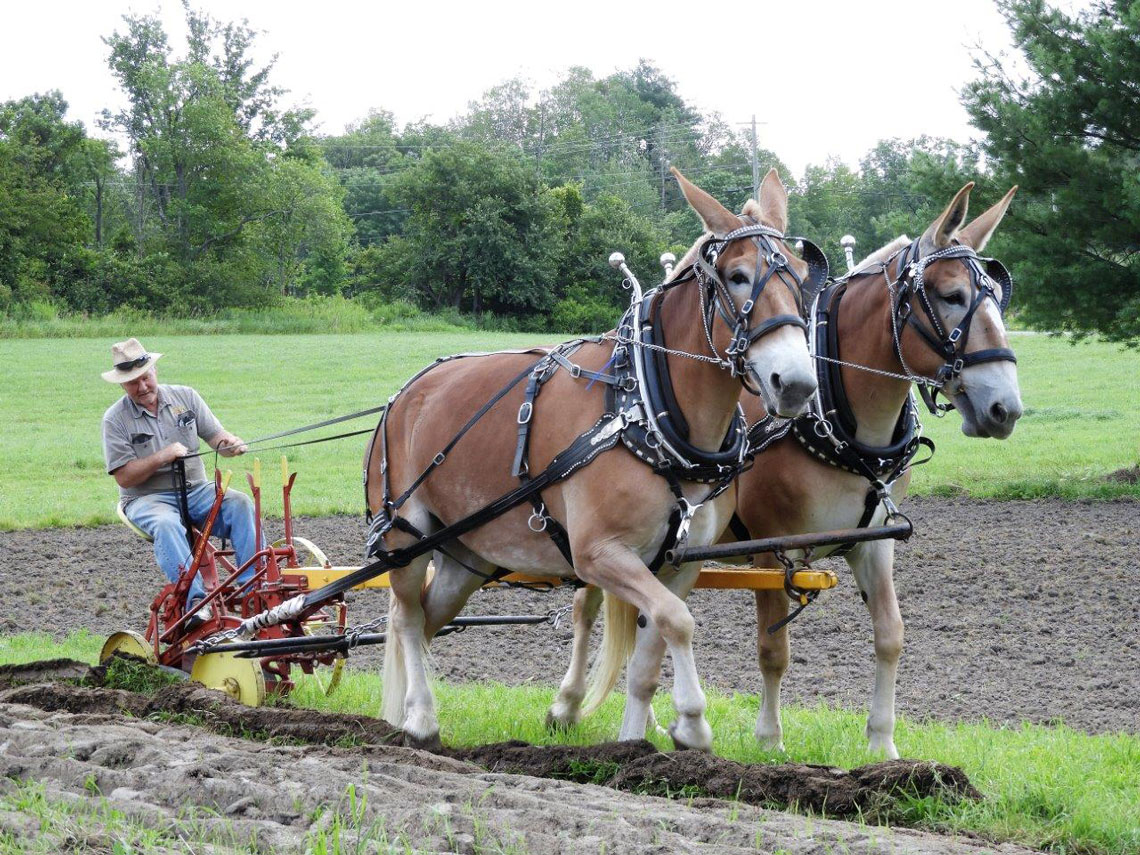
(978, 233)
(945, 227)
(717, 218)
(774, 201)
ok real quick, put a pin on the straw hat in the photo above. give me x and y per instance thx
(130, 360)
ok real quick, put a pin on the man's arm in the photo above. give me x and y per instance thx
(134, 472)
(226, 444)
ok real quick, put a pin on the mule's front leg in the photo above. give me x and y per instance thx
(408, 701)
(873, 566)
(566, 710)
(615, 567)
(772, 649)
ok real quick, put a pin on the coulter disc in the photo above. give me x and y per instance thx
(129, 642)
(241, 679)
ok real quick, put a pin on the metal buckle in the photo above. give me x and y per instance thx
(629, 383)
(957, 367)
(575, 370)
(746, 309)
(438, 459)
(525, 412)
(822, 428)
(955, 334)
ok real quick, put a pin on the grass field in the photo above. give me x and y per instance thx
(1086, 804)
(1082, 416)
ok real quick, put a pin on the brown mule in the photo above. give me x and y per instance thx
(790, 491)
(616, 511)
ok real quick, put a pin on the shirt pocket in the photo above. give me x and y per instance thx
(142, 444)
(187, 430)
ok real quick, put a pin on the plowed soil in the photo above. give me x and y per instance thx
(1015, 611)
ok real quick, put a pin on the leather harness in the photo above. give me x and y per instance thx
(641, 409)
(827, 431)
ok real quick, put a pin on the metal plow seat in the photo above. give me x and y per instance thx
(123, 516)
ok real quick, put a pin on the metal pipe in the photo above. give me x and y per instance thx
(848, 244)
(340, 643)
(898, 531)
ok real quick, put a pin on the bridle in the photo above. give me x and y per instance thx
(717, 298)
(985, 275)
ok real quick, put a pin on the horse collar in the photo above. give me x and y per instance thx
(657, 432)
(827, 430)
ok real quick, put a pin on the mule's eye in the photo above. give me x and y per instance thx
(954, 298)
(739, 278)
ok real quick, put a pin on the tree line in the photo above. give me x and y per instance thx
(225, 198)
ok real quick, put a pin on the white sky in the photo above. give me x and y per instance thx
(827, 78)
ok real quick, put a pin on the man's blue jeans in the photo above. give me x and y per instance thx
(157, 515)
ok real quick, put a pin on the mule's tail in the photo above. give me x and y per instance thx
(619, 632)
(395, 673)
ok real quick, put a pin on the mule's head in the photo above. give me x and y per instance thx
(955, 304)
(755, 294)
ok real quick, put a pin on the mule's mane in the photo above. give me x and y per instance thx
(883, 254)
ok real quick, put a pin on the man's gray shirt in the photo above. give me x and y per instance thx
(131, 432)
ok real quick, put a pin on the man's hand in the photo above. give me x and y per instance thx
(173, 451)
(134, 472)
(231, 446)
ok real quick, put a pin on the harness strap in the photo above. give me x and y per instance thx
(442, 455)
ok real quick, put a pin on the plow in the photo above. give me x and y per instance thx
(318, 640)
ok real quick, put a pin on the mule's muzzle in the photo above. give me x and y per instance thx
(786, 393)
(990, 418)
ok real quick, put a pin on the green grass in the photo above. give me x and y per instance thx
(57, 824)
(1048, 787)
(1082, 419)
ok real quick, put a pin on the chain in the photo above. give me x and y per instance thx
(352, 634)
(700, 357)
(925, 381)
(205, 645)
(555, 616)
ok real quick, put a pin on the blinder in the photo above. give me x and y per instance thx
(998, 273)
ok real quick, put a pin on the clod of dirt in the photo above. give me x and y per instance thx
(1128, 475)
(591, 764)
(220, 712)
(867, 790)
(639, 767)
(195, 704)
(40, 672)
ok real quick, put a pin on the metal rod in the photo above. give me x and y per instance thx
(340, 643)
(898, 531)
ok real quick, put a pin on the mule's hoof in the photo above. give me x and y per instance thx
(884, 747)
(426, 743)
(700, 739)
(770, 741)
(559, 722)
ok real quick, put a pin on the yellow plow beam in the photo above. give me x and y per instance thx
(746, 579)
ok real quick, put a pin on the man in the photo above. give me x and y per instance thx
(144, 432)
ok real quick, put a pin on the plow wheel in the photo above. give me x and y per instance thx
(129, 643)
(241, 679)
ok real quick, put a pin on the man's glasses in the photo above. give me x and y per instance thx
(134, 363)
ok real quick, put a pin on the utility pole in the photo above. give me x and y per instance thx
(755, 163)
(755, 158)
(661, 159)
